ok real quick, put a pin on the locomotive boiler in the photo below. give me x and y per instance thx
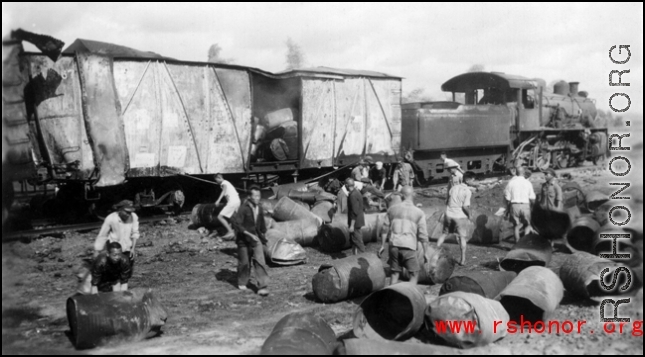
(504, 120)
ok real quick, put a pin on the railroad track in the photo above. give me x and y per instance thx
(34, 233)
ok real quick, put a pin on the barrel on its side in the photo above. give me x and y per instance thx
(534, 294)
(303, 232)
(288, 210)
(581, 235)
(581, 274)
(283, 251)
(487, 284)
(96, 320)
(392, 313)
(334, 237)
(307, 197)
(349, 278)
(300, 334)
(324, 210)
(531, 250)
(467, 307)
(205, 215)
(437, 265)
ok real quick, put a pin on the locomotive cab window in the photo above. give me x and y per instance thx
(528, 98)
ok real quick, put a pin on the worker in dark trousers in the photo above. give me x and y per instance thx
(355, 217)
(250, 227)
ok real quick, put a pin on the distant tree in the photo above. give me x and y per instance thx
(214, 55)
(415, 96)
(295, 55)
(476, 68)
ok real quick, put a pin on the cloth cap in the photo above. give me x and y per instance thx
(125, 205)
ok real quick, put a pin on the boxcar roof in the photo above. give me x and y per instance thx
(328, 71)
(479, 80)
(110, 49)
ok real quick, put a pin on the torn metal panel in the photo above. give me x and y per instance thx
(102, 114)
(55, 90)
(17, 160)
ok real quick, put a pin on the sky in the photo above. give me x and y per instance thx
(426, 44)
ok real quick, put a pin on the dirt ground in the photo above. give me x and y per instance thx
(195, 280)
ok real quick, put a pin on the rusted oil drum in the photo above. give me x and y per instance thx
(303, 232)
(485, 283)
(334, 237)
(323, 196)
(96, 320)
(535, 293)
(437, 265)
(531, 250)
(268, 205)
(283, 251)
(392, 313)
(306, 197)
(581, 235)
(466, 307)
(550, 223)
(580, 275)
(205, 215)
(277, 118)
(324, 210)
(349, 278)
(300, 334)
(284, 190)
(288, 210)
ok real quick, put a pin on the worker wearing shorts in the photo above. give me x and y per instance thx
(457, 217)
(404, 228)
(232, 204)
(519, 196)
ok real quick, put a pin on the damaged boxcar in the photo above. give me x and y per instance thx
(504, 121)
(104, 122)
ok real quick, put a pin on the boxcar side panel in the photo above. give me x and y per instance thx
(318, 121)
(349, 136)
(56, 91)
(17, 162)
(384, 113)
(102, 114)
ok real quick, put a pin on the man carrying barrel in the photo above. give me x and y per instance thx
(111, 270)
(232, 204)
(250, 227)
(404, 228)
(355, 216)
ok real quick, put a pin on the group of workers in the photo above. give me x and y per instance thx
(404, 227)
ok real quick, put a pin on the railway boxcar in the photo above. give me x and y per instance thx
(102, 126)
(505, 120)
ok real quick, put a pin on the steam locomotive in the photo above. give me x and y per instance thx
(504, 121)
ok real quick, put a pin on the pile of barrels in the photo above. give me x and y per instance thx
(275, 136)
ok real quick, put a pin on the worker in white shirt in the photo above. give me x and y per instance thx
(232, 204)
(520, 196)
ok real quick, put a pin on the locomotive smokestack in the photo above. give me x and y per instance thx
(573, 88)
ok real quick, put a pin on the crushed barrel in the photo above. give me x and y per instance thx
(531, 250)
(392, 313)
(534, 294)
(348, 278)
(485, 283)
(334, 237)
(300, 334)
(283, 251)
(96, 320)
(467, 307)
(324, 210)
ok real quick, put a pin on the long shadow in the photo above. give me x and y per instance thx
(228, 276)
(13, 317)
(230, 252)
